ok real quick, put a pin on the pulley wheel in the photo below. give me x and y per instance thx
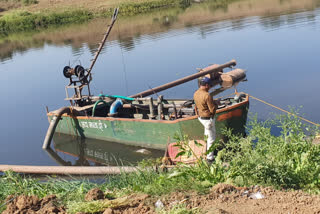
(84, 79)
(79, 70)
(66, 72)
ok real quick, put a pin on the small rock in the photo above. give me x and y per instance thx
(47, 200)
(24, 202)
(94, 194)
(143, 151)
(108, 211)
(223, 188)
(245, 193)
(159, 204)
(257, 195)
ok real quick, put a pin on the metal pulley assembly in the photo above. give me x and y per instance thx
(68, 71)
(80, 77)
(78, 71)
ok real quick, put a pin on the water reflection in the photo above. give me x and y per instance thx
(126, 43)
(131, 31)
(278, 44)
(69, 150)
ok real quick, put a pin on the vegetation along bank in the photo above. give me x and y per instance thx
(261, 173)
(43, 14)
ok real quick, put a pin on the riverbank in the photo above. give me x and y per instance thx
(44, 14)
(261, 173)
(128, 29)
(221, 198)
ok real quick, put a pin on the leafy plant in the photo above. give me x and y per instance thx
(289, 160)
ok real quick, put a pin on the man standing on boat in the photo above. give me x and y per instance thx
(206, 109)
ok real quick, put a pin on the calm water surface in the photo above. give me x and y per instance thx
(276, 41)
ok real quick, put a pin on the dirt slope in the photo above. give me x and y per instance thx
(222, 198)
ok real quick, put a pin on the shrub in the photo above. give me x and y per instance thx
(289, 160)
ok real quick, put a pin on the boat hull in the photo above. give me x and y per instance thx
(151, 133)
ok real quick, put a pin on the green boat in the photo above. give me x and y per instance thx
(140, 120)
(135, 125)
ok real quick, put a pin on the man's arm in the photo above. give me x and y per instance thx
(211, 105)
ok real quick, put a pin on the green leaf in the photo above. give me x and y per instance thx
(181, 153)
(174, 174)
(197, 144)
(189, 153)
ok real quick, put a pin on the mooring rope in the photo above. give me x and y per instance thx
(276, 107)
(283, 110)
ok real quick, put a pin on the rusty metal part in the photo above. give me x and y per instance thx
(114, 18)
(160, 108)
(204, 71)
(225, 86)
(215, 77)
(151, 107)
(232, 76)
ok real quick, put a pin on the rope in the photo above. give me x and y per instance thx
(123, 62)
(276, 107)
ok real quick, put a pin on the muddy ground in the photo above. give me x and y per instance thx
(222, 198)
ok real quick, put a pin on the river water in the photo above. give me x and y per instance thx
(277, 41)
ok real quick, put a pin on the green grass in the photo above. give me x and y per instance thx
(23, 2)
(24, 21)
(15, 184)
(288, 161)
(21, 21)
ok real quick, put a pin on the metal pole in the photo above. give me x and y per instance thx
(114, 18)
(205, 71)
(160, 107)
(151, 108)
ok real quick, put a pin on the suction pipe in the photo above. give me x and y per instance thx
(53, 125)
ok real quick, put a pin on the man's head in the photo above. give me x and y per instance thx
(206, 83)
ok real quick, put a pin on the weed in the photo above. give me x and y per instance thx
(289, 160)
